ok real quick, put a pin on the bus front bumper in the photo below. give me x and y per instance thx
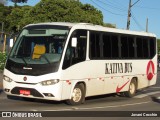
(50, 92)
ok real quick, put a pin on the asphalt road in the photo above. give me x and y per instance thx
(145, 100)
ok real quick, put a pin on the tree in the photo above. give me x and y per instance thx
(109, 25)
(4, 12)
(15, 18)
(18, 1)
(158, 45)
(54, 11)
(4, 2)
(65, 11)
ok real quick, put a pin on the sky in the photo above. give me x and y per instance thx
(115, 12)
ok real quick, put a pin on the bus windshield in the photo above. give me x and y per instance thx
(38, 50)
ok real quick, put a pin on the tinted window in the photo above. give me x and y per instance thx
(114, 46)
(152, 47)
(103, 46)
(131, 47)
(94, 45)
(145, 48)
(107, 46)
(77, 54)
(124, 47)
(114, 40)
(139, 50)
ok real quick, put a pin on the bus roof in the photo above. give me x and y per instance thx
(90, 26)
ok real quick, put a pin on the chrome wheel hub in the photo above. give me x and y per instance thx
(76, 95)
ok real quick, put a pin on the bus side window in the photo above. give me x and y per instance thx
(77, 54)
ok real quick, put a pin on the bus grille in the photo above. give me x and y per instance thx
(33, 92)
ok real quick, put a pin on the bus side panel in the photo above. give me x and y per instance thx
(143, 68)
(103, 79)
(90, 73)
(138, 70)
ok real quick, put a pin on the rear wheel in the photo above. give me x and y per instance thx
(77, 95)
(132, 89)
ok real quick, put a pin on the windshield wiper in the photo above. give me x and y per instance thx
(46, 58)
(22, 59)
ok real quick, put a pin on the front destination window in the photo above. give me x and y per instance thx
(37, 50)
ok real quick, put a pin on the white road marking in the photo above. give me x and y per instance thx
(146, 94)
(91, 108)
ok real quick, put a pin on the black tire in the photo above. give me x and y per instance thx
(80, 98)
(132, 89)
(121, 94)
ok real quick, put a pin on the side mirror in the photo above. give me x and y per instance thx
(74, 42)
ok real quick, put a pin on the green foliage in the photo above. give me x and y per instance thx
(3, 57)
(158, 48)
(158, 44)
(15, 18)
(109, 25)
(18, 1)
(53, 11)
(64, 11)
(4, 12)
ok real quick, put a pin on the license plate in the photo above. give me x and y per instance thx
(25, 92)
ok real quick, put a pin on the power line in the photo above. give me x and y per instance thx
(117, 3)
(136, 22)
(106, 9)
(135, 3)
(129, 12)
(112, 6)
(145, 7)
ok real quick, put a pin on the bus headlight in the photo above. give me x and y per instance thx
(7, 78)
(49, 82)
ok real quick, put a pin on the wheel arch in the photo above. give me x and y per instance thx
(82, 86)
(132, 88)
(83, 83)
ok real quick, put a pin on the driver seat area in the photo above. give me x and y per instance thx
(38, 51)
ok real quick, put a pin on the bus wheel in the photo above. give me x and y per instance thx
(132, 89)
(77, 95)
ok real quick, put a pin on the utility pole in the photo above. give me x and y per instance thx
(147, 25)
(129, 13)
